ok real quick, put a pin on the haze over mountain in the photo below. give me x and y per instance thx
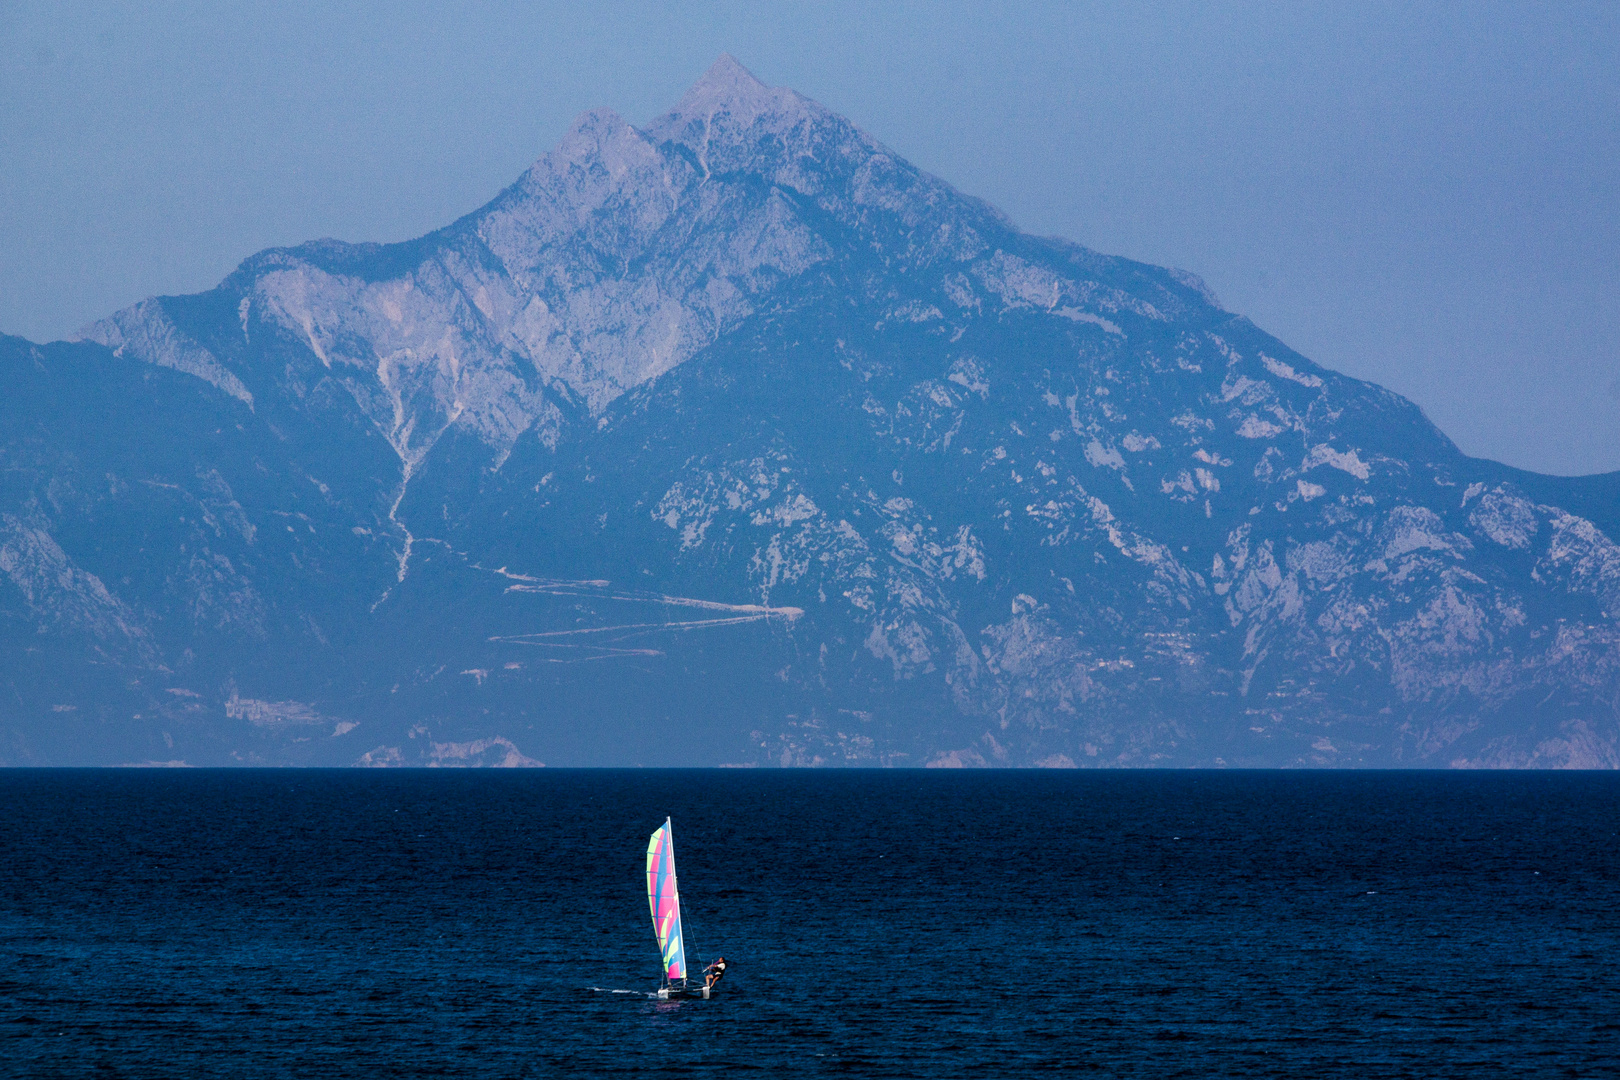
(737, 439)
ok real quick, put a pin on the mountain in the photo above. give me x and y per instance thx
(738, 439)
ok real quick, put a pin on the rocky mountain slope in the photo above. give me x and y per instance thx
(737, 439)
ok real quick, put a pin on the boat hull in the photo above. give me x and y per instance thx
(669, 993)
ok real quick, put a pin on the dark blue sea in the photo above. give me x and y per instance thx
(879, 924)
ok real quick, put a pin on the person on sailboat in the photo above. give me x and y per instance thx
(712, 973)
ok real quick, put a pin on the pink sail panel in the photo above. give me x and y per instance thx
(665, 901)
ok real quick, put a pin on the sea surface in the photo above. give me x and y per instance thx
(879, 924)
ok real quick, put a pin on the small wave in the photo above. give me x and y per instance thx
(605, 990)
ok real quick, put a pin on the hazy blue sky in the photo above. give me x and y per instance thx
(1423, 195)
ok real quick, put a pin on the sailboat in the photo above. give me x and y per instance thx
(665, 900)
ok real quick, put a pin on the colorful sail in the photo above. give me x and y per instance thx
(665, 901)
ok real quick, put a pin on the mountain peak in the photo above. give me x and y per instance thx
(729, 100)
(594, 133)
(730, 86)
(728, 77)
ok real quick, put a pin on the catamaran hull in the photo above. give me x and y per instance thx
(666, 993)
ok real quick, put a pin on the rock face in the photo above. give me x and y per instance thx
(738, 439)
